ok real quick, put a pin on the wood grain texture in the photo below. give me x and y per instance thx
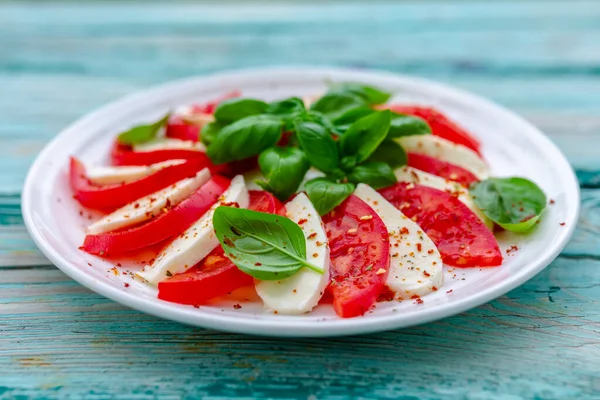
(59, 60)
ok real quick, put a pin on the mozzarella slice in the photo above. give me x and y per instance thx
(169, 144)
(301, 292)
(445, 150)
(197, 241)
(415, 263)
(147, 207)
(115, 175)
(416, 176)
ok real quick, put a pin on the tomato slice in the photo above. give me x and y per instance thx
(162, 227)
(460, 236)
(359, 245)
(441, 168)
(124, 155)
(177, 128)
(441, 125)
(117, 195)
(215, 275)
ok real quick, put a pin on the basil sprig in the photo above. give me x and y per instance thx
(333, 105)
(245, 138)
(318, 145)
(284, 169)
(363, 137)
(374, 173)
(143, 133)
(407, 125)
(265, 246)
(515, 204)
(326, 194)
(235, 109)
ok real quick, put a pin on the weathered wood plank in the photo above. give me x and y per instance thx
(58, 338)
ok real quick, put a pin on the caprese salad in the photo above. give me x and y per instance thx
(344, 198)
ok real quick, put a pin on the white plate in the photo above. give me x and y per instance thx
(511, 145)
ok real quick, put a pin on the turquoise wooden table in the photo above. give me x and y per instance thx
(61, 60)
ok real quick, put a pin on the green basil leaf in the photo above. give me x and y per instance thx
(370, 94)
(210, 131)
(235, 109)
(375, 174)
(245, 138)
(318, 145)
(284, 169)
(327, 195)
(407, 125)
(365, 135)
(344, 121)
(334, 105)
(513, 203)
(390, 152)
(265, 246)
(319, 118)
(143, 133)
(286, 108)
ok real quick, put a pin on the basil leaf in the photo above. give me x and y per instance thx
(327, 195)
(370, 94)
(407, 125)
(390, 152)
(513, 203)
(245, 138)
(319, 118)
(284, 168)
(143, 133)
(318, 145)
(235, 109)
(286, 108)
(344, 121)
(265, 246)
(334, 105)
(210, 131)
(375, 174)
(364, 136)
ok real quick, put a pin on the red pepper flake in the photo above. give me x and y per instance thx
(312, 235)
(417, 299)
(257, 264)
(81, 213)
(552, 201)
(81, 248)
(294, 291)
(152, 199)
(90, 264)
(231, 204)
(118, 264)
(449, 291)
(434, 288)
(228, 242)
(426, 273)
(404, 231)
(168, 203)
(136, 205)
(126, 284)
(386, 295)
(562, 223)
(315, 255)
(196, 305)
(419, 247)
(319, 244)
(302, 221)
(512, 249)
(237, 306)
(430, 251)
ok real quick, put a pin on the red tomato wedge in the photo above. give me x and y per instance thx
(177, 128)
(441, 168)
(117, 195)
(440, 125)
(460, 236)
(209, 107)
(124, 155)
(162, 227)
(359, 245)
(215, 275)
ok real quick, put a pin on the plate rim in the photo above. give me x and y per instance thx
(282, 327)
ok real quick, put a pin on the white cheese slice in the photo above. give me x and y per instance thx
(301, 292)
(147, 207)
(416, 176)
(114, 175)
(415, 263)
(445, 150)
(169, 144)
(196, 242)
